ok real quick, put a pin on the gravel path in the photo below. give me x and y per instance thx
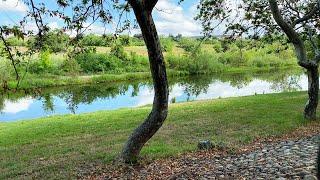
(285, 160)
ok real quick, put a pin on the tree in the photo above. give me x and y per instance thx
(298, 20)
(83, 11)
(318, 163)
(142, 10)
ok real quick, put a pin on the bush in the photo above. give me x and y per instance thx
(55, 41)
(71, 66)
(92, 62)
(203, 62)
(43, 64)
(117, 50)
(14, 41)
(167, 44)
(190, 45)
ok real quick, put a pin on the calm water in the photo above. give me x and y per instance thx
(89, 98)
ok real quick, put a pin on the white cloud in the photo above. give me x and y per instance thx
(13, 6)
(173, 19)
(18, 106)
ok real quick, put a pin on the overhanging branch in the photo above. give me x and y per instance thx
(307, 16)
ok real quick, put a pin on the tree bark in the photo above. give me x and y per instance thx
(159, 111)
(318, 163)
(313, 92)
(301, 53)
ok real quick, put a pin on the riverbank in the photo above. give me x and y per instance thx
(45, 81)
(63, 146)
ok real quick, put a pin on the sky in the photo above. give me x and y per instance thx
(169, 17)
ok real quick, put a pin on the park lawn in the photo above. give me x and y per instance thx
(60, 146)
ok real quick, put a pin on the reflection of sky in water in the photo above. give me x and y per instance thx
(28, 107)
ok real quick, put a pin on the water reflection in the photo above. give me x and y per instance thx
(88, 98)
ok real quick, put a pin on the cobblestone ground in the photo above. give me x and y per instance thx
(293, 159)
(284, 159)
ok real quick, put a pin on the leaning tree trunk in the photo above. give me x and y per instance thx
(318, 163)
(313, 92)
(160, 103)
(310, 65)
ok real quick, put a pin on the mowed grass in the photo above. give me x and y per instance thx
(61, 146)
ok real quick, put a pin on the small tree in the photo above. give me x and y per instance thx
(143, 12)
(298, 20)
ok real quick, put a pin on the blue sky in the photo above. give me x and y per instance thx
(170, 18)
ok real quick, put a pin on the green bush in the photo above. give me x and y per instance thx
(71, 66)
(190, 45)
(94, 62)
(43, 64)
(117, 50)
(14, 41)
(167, 44)
(203, 62)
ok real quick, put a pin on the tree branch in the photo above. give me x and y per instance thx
(150, 4)
(290, 32)
(306, 17)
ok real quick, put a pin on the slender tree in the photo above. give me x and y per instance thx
(298, 20)
(143, 12)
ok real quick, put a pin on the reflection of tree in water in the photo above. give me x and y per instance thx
(192, 86)
(48, 104)
(287, 83)
(237, 80)
(88, 94)
(75, 95)
(195, 85)
(2, 99)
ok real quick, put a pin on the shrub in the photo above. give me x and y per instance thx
(203, 62)
(41, 65)
(71, 66)
(190, 45)
(117, 50)
(167, 44)
(93, 62)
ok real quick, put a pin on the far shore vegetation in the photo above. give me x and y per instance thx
(106, 59)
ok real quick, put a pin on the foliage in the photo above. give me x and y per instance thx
(189, 45)
(167, 44)
(54, 41)
(117, 50)
(15, 41)
(93, 62)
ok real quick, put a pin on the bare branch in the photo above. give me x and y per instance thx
(307, 16)
(8, 50)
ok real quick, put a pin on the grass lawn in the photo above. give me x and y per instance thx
(60, 146)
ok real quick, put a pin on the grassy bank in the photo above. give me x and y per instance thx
(42, 81)
(61, 146)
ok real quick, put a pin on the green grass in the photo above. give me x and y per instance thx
(60, 146)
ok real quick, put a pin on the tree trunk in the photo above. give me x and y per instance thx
(159, 111)
(313, 92)
(318, 163)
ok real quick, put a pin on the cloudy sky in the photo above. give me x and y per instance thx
(170, 18)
